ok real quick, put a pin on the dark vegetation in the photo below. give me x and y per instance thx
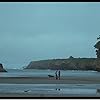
(67, 64)
(97, 46)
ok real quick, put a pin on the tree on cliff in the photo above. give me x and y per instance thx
(97, 46)
(71, 57)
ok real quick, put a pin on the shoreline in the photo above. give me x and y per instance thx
(47, 80)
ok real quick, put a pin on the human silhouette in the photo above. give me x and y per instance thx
(59, 74)
(56, 74)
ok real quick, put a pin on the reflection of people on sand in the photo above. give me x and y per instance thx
(58, 89)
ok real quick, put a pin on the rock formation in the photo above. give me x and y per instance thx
(2, 69)
(97, 46)
(69, 64)
(66, 64)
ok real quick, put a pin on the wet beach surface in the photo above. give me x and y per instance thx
(49, 90)
(36, 83)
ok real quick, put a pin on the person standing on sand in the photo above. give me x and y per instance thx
(59, 74)
(56, 74)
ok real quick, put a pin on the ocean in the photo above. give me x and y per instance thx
(45, 73)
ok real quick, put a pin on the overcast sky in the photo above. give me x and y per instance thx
(36, 31)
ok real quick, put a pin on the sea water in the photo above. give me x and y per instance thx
(45, 73)
(49, 88)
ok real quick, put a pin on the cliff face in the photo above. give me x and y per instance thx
(2, 69)
(67, 64)
(97, 46)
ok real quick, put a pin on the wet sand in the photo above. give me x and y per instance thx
(47, 80)
(47, 95)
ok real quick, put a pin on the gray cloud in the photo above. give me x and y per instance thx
(33, 31)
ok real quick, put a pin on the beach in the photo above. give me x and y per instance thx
(71, 84)
(47, 80)
(49, 90)
(42, 95)
(68, 82)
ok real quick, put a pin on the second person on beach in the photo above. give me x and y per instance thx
(57, 74)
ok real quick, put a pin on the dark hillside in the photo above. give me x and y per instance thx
(66, 64)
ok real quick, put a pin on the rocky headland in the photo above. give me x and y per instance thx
(2, 69)
(66, 64)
